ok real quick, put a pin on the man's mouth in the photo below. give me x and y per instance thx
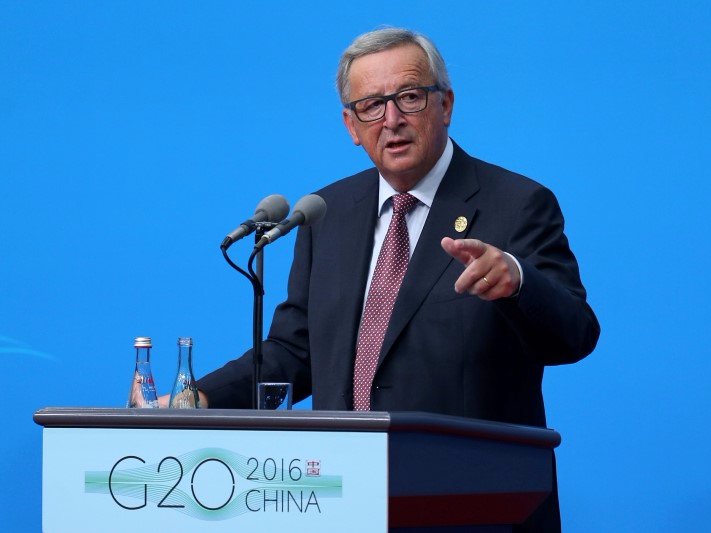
(396, 144)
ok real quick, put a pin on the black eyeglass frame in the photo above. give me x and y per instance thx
(388, 97)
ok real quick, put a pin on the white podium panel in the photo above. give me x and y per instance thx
(106, 479)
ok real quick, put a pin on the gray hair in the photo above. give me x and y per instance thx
(382, 39)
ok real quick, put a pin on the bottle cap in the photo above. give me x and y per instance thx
(185, 341)
(142, 342)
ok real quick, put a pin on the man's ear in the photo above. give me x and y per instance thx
(350, 126)
(447, 106)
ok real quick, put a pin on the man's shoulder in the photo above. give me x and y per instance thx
(354, 186)
(496, 177)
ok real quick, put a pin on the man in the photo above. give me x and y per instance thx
(436, 282)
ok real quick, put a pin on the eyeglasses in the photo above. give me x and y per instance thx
(408, 101)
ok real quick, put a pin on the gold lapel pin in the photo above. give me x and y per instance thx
(460, 224)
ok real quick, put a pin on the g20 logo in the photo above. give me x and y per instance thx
(145, 484)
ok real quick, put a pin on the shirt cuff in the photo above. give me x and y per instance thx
(520, 275)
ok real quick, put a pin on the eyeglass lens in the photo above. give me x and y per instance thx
(407, 101)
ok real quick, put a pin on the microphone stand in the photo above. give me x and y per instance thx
(256, 279)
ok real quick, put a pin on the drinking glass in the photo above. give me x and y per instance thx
(274, 396)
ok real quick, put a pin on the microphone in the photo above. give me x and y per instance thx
(306, 211)
(273, 208)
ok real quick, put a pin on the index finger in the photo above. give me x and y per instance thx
(464, 250)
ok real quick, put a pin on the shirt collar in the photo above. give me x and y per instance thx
(426, 188)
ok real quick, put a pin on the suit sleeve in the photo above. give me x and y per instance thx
(285, 351)
(550, 314)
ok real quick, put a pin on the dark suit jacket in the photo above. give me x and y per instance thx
(443, 352)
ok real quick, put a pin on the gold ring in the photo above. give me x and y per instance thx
(486, 281)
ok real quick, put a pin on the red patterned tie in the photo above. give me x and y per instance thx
(384, 286)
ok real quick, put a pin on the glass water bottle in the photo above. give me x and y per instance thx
(185, 394)
(143, 388)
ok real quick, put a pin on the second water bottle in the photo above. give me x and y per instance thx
(185, 394)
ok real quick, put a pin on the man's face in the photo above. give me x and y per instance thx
(404, 147)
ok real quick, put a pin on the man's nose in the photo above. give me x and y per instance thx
(393, 116)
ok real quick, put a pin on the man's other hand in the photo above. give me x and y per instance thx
(164, 401)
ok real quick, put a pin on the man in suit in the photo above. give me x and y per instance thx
(452, 304)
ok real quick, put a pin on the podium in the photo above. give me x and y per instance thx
(243, 470)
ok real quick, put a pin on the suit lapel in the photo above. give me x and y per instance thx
(356, 248)
(429, 261)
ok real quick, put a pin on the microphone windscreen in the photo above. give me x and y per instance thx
(312, 206)
(274, 208)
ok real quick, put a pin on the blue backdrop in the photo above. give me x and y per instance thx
(134, 135)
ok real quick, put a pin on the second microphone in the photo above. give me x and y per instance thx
(306, 211)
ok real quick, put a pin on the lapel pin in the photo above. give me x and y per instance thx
(460, 224)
